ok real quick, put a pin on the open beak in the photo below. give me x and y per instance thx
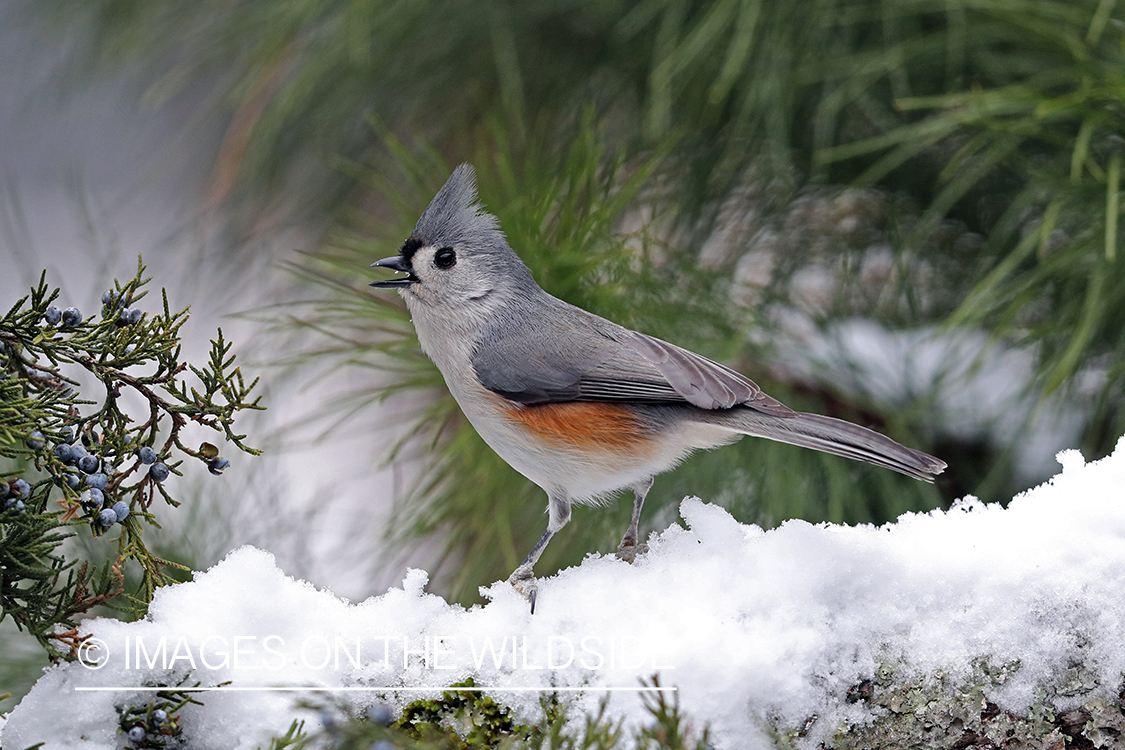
(395, 263)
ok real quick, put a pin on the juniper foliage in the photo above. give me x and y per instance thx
(103, 387)
(465, 717)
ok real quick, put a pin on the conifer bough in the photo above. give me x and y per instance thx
(73, 456)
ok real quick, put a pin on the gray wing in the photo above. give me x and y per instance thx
(703, 382)
(586, 358)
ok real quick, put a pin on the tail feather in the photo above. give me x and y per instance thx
(837, 437)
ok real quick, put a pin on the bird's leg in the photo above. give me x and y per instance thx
(629, 548)
(522, 578)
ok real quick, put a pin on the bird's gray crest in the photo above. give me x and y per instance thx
(455, 216)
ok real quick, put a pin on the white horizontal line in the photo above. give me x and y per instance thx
(385, 689)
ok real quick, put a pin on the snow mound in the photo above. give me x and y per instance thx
(755, 629)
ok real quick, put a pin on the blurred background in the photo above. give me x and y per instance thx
(902, 213)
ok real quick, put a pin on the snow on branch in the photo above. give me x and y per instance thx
(975, 625)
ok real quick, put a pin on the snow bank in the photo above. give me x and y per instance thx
(756, 629)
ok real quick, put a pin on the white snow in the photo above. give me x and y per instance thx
(752, 627)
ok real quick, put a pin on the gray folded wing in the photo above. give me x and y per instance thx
(702, 382)
(594, 360)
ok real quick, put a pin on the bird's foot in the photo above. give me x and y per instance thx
(630, 548)
(523, 581)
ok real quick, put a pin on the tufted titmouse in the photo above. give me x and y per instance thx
(579, 405)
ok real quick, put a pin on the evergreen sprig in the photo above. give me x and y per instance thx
(157, 724)
(472, 720)
(78, 453)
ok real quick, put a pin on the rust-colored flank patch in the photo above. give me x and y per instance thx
(582, 424)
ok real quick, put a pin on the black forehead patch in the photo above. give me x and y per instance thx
(410, 247)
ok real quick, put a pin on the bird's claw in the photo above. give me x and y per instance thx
(629, 549)
(523, 581)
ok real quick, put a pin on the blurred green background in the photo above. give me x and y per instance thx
(902, 213)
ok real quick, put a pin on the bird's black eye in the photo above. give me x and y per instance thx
(445, 258)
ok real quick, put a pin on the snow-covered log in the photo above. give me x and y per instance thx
(979, 625)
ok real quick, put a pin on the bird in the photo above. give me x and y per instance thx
(581, 406)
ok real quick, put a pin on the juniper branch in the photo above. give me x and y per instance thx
(69, 462)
